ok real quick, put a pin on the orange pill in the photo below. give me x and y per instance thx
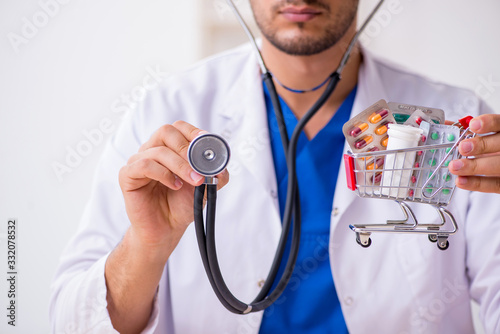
(363, 142)
(382, 129)
(359, 129)
(384, 141)
(378, 116)
(376, 165)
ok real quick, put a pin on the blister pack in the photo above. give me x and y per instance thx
(430, 159)
(367, 132)
(402, 112)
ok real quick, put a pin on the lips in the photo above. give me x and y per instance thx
(299, 14)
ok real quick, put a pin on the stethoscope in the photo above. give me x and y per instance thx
(209, 154)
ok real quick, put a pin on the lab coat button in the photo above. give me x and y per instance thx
(336, 212)
(348, 301)
(274, 193)
(260, 283)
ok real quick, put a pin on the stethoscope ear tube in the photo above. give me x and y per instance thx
(206, 234)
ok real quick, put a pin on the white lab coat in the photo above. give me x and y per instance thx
(401, 284)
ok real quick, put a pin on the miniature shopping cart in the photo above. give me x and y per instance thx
(417, 174)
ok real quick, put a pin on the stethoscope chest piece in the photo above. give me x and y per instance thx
(208, 154)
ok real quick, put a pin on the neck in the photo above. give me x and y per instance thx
(306, 72)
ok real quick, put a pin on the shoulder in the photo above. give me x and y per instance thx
(403, 83)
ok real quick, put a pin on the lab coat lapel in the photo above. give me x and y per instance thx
(370, 90)
(247, 131)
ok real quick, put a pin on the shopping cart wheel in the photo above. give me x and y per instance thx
(433, 238)
(443, 243)
(363, 240)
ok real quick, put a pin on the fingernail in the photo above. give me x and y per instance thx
(475, 125)
(202, 132)
(462, 180)
(196, 177)
(177, 183)
(456, 165)
(466, 147)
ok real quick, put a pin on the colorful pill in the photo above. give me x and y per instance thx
(432, 162)
(435, 136)
(446, 163)
(448, 150)
(419, 153)
(446, 191)
(363, 142)
(384, 141)
(418, 120)
(417, 165)
(359, 129)
(423, 139)
(376, 165)
(378, 116)
(451, 137)
(411, 193)
(429, 189)
(382, 129)
(413, 179)
(376, 178)
(447, 177)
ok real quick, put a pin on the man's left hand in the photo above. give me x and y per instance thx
(482, 172)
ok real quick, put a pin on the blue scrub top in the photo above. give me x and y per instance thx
(310, 303)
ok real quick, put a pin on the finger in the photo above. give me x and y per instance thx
(171, 136)
(480, 145)
(189, 131)
(172, 161)
(479, 183)
(138, 174)
(487, 166)
(223, 179)
(485, 123)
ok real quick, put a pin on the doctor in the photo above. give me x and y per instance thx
(134, 264)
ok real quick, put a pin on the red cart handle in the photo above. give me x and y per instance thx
(349, 169)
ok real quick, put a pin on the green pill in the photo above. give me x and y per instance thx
(435, 136)
(432, 151)
(446, 191)
(451, 137)
(401, 118)
(429, 189)
(429, 177)
(447, 178)
(432, 162)
(446, 163)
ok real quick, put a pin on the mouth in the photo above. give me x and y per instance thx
(299, 14)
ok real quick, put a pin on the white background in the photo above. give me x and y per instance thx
(65, 77)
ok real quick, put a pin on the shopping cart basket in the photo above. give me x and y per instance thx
(417, 174)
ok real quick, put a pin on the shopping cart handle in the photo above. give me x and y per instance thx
(349, 169)
(464, 122)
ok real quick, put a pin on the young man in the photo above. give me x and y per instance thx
(134, 265)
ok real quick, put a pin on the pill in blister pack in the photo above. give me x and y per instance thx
(438, 178)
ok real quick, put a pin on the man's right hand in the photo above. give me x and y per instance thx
(158, 184)
(158, 188)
